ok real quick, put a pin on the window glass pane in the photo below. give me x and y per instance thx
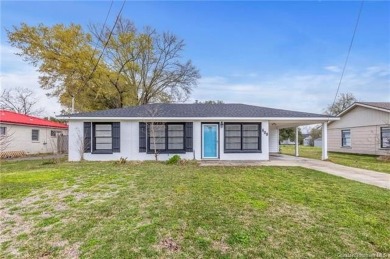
(175, 136)
(233, 143)
(346, 138)
(385, 132)
(103, 136)
(104, 133)
(233, 146)
(103, 140)
(173, 146)
(250, 143)
(157, 131)
(2, 130)
(157, 136)
(35, 135)
(233, 127)
(103, 146)
(175, 127)
(250, 127)
(103, 127)
(385, 143)
(175, 140)
(158, 146)
(250, 146)
(229, 133)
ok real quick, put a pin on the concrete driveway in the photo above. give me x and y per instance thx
(356, 174)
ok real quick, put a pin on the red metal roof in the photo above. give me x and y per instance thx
(21, 119)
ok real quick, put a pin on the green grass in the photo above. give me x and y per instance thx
(137, 210)
(369, 162)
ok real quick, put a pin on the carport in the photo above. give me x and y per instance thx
(277, 124)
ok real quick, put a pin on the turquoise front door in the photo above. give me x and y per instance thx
(210, 140)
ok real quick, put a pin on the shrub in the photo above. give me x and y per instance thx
(174, 160)
(122, 160)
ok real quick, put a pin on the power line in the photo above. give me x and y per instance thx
(349, 51)
(104, 26)
(104, 47)
(109, 37)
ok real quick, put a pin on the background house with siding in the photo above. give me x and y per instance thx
(23, 134)
(363, 128)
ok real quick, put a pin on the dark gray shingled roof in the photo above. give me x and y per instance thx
(230, 110)
(382, 105)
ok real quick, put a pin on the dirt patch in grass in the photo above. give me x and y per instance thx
(169, 244)
(220, 246)
(384, 158)
(44, 209)
(293, 213)
(12, 225)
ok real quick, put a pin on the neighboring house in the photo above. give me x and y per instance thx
(363, 128)
(27, 134)
(287, 142)
(307, 139)
(194, 131)
(317, 142)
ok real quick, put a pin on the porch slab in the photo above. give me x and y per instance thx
(361, 175)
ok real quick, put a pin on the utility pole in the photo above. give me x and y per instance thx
(72, 104)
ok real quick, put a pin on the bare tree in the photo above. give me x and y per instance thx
(20, 100)
(343, 102)
(155, 130)
(81, 144)
(6, 138)
(210, 101)
(147, 66)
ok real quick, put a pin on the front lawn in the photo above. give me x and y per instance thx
(137, 210)
(369, 162)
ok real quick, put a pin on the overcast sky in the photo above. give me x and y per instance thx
(277, 54)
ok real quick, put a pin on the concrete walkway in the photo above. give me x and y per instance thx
(356, 174)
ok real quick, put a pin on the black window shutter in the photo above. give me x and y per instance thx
(189, 138)
(142, 137)
(116, 137)
(87, 137)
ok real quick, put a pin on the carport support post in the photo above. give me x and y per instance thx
(324, 141)
(296, 141)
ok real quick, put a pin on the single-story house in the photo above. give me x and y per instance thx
(363, 128)
(317, 142)
(23, 134)
(306, 139)
(194, 131)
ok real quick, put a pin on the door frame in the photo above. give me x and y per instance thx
(218, 139)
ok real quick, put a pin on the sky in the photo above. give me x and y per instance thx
(280, 54)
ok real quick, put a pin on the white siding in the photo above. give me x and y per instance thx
(20, 139)
(274, 140)
(130, 145)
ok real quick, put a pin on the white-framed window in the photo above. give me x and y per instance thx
(385, 137)
(3, 131)
(346, 138)
(35, 135)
